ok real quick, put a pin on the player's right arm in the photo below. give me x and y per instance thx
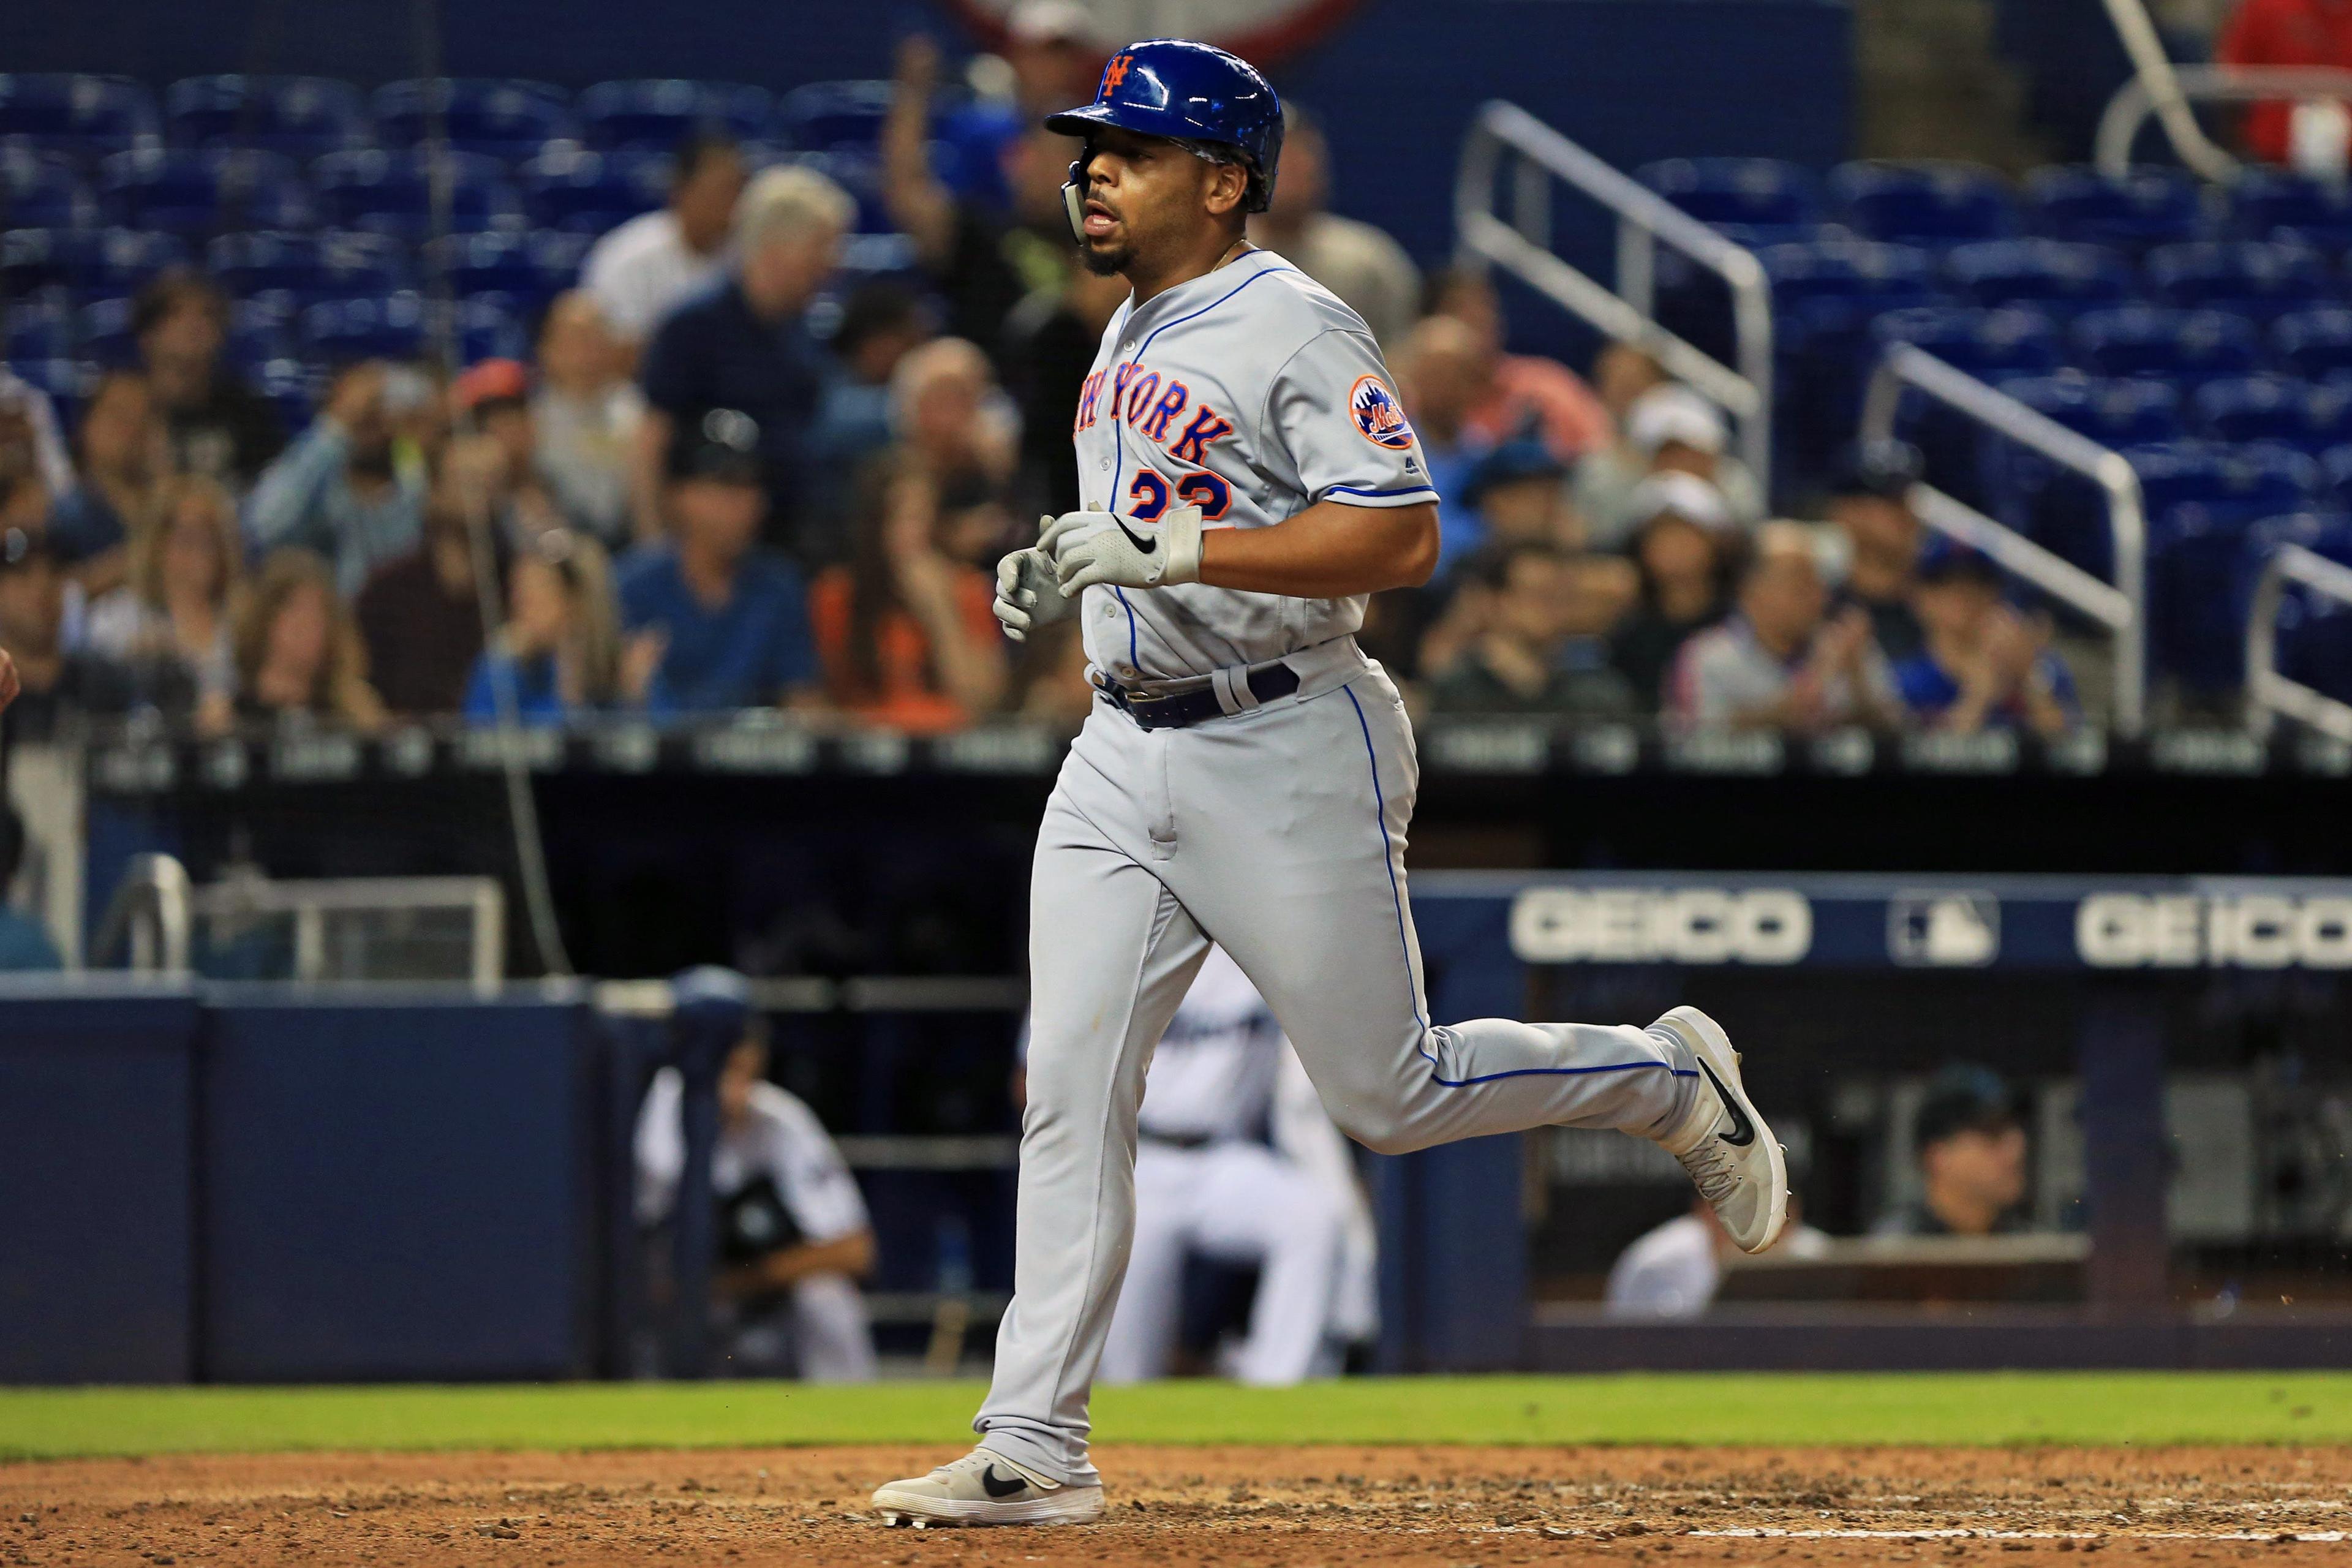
(1333, 550)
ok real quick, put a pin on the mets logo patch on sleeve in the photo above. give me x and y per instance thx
(1380, 417)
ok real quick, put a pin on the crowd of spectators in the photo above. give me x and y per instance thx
(727, 479)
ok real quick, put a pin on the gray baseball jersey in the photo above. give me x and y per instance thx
(1252, 393)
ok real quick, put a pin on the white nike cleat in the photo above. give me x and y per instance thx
(984, 1487)
(1740, 1168)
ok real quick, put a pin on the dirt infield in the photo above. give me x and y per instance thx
(1233, 1507)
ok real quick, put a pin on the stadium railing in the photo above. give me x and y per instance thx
(2120, 607)
(2268, 693)
(2129, 110)
(1523, 245)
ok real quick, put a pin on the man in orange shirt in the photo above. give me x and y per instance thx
(1519, 387)
(2284, 33)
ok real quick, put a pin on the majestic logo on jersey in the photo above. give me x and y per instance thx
(1380, 417)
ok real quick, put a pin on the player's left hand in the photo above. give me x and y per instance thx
(1091, 547)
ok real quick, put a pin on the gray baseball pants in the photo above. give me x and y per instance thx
(1279, 834)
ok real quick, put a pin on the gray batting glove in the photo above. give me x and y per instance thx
(1027, 594)
(1091, 547)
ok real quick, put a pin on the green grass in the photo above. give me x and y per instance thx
(1964, 1409)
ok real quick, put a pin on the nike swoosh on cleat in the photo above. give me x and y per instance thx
(1743, 1130)
(995, 1487)
(1144, 546)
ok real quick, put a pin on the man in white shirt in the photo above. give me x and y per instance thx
(794, 1237)
(1675, 1270)
(640, 271)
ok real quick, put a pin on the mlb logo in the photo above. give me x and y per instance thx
(1943, 931)
(1380, 417)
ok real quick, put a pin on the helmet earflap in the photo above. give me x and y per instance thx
(1073, 200)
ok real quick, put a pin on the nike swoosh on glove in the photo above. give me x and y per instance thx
(1027, 594)
(1091, 547)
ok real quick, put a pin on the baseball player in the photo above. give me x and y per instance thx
(1246, 777)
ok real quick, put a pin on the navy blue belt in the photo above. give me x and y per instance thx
(1267, 683)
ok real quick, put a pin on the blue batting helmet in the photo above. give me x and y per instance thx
(1191, 93)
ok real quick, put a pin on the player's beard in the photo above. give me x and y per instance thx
(1104, 263)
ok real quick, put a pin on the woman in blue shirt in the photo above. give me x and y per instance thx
(560, 653)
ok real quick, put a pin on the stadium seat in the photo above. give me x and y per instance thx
(2254, 278)
(41, 190)
(2273, 204)
(391, 327)
(655, 116)
(66, 381)
(87, 116)
(2114, 413)
(2059, 279)
(2056, 506)
(293, 387)
(588, 193)
(40, 329)
(2315, 344)
(2291, 413)
(331, 265)
(106, 337)
(1925, 202)
(2181, 345)
(2201, 501)
(2315, 632)
(833, 116)
(206, 192)
(261, 328)
(491, 326)
(1749, 193)
(519, 265)
(91, 263)
(496, 118)
(1987, 343)
(389, 193)
(303, 116)
(2145, 208)
(859, 174)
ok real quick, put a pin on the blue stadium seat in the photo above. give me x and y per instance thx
(41, 190)
(91, 263)
(588, 193)
(1825, 294)
(2248, 278)
(520, 265)
(2202, 499)
(303, 116)
(337, 264)
(1749, 193)
(40, 329)
(2058, 279)
(493, 117)
(83, 115)
(655, 116)
(833, 116)
(391, 327)
(2114, 413)
(2296, 414)
(2181, 345)
(206, 192)
(2273, 203)
(491, 326)
(106, 335)
(2240, 483)
(2315, 344)
(1985, 343)
(388, 193)
(859, 174)
(2145, 208)
(294, 387)
(67, 382)
(261, 328)
(2315, 633)
(1925, 202)
(2056, 507)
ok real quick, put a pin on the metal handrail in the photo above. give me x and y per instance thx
(2130, 110)
(2160, 87)
(150, 914)
(2120, 607)
(309, 901)
(1523, 246)
(2268, 693)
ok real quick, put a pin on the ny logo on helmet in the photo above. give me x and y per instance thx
(1380, 418)
(1114, 74)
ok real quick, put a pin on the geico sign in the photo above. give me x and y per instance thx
(1651, 925)
(2183, 930)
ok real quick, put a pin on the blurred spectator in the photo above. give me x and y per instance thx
(123, 455)
(1969, 1145)
(1052, 678)
(1438, 378)
(420, 615)
(1514, 390)
(1050, 342)
(793, 1232)
(492, 402)
(30, 445)
(175, 610)
(1540, 651)
(904, 628)
(9, 687)
(1983, 665)
(586, 413)
(560, 654)
(337, 491)
(641, 271)
(1777, 664)
(298, 653)
(1686, 559)
(1675, 1270)
(1516, 493)
(731, 617)
(981, 261)
(1369, 270)
(881, 322)
(1053, 60)
(25, 944)
(741, 343)
(2311, 134)
(1673, 430)
(1869, 502)
(952, 420)
(220, 427)
(55, 680)
(1606, 476)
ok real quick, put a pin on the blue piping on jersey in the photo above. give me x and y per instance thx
(1404, 943)
(1132, 657)
(1408, 490)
